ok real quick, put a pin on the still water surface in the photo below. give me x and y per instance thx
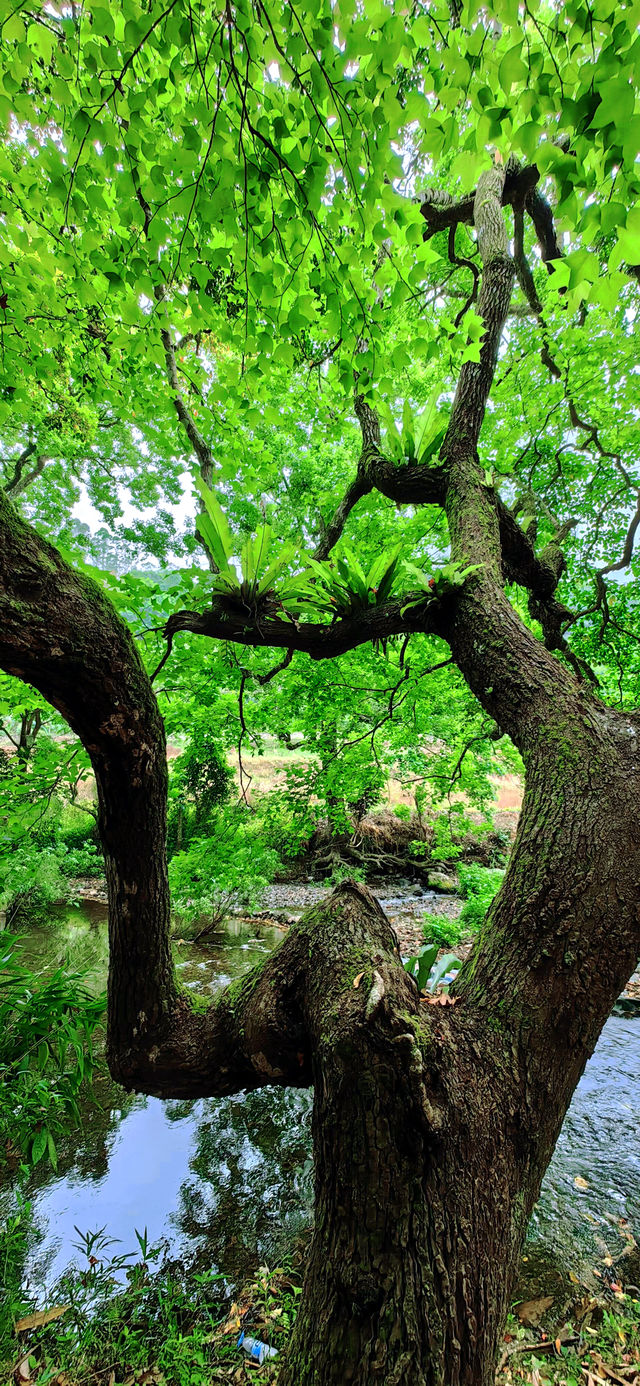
(227, 1182)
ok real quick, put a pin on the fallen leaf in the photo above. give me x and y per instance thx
(44, 1316)
(610, 1372)
(357, 980)
(531, 1312)
(580, 1183)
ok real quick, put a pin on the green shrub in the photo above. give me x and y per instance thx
(344, 872)
(47, 1029)
(229, 867)
(32, 879)
(288, 820)
(478, 886)
(199, 782)
(78, 830)
(438, 928)
(85, 860)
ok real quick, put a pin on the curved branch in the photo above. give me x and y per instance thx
(359, 487)
(60, 633)
(21, 479)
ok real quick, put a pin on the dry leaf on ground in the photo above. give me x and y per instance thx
(42, 1317)
(530, 1313)
(624, 1377)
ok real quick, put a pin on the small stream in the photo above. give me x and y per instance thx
(226, 1183)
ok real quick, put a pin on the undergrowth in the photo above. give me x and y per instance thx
(47, 1052)
(478, 886)
(599, 1345)
(137, 1319)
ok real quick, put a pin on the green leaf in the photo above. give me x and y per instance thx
(433, 443)
(512, 69)
(218, 536)
(13, 30)
(53, 1153)
(39, 1145)
(420, 966)
(617, 100)
(448, 963)
(408, 441)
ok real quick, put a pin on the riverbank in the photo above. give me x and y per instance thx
(404, 901)
(165, 1330)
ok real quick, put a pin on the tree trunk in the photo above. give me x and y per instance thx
(434, 1124)
(30, 723)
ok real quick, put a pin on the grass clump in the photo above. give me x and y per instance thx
(138, 1318)
(47, 1052)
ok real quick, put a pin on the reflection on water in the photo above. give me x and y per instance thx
(227, 1181)
(224, 1181)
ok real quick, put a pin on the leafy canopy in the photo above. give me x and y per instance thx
(212, 227)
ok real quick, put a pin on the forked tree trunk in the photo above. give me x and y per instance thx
(434, 1124)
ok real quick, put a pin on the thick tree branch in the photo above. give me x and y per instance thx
(265, 1028)
(59, 633)
(441, 211)
(539, 573)
(517, 681)
(527, 284)
(315, 639)
(21, 479)
(542, 217)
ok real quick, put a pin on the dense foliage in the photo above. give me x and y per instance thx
(191, 274)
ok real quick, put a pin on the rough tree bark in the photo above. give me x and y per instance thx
(433, 1125)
